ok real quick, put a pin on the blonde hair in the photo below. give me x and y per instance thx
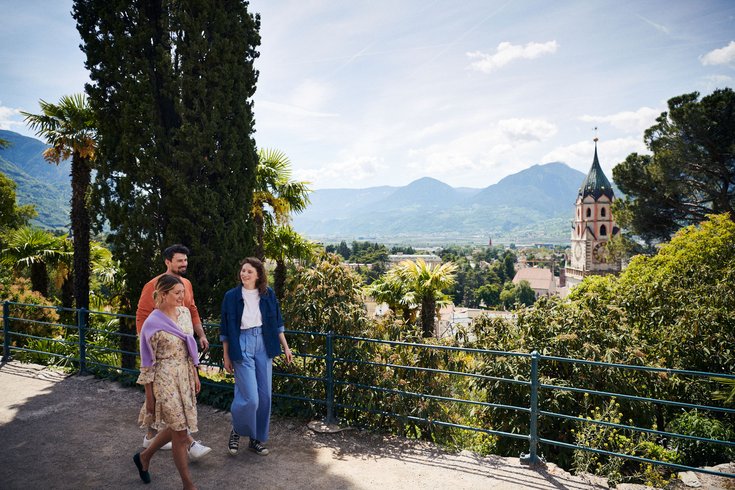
(164, 284)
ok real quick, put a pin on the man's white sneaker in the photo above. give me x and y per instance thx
(147, 442)
(197, 450)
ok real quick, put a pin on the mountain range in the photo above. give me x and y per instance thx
(45, 185)
(533, 205)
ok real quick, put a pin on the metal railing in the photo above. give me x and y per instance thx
(326, 370)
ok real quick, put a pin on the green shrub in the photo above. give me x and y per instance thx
(618, 469)
(698, 453)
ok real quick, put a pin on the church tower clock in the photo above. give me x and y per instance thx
(593, 226)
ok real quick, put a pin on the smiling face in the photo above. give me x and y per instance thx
(173, 297)
(177, 265)
(248, 276)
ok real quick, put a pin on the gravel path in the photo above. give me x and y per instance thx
(75, 432)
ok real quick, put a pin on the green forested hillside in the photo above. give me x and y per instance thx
(45, 185)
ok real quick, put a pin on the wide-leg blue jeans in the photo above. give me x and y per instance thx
(251, 407)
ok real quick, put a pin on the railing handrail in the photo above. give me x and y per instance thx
(330, 359)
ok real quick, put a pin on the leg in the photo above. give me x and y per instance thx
(245, 403)
(264, 379)
(181, 459)
(162, 438)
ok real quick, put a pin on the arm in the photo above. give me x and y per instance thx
(150, 398)
(195, 318)
(145, 305)
(281, 335)
(199, 331)
(197, 381)
(227, 362)
(286, 349)
(223, 337)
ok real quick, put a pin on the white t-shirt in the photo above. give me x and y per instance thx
(251, 313)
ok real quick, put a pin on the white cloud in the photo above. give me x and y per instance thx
(10, 119)
(507, 52)
(721, 56)
(527, 129)
(343, 173)
(719, 79)
(482, 157)
(310, 94)
(659, 27)
(610, 153)
(628, 121)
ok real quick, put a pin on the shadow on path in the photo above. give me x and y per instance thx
(78, 432)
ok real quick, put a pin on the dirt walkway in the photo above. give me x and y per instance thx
(73, 432)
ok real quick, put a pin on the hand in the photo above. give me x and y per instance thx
(203, 343)
(197, 384)
(228, 365)
(289, 355)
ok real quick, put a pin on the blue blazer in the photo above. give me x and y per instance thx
(229, 328)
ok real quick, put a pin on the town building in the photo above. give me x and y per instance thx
(592, 228)
(430, 259)
(541, 279)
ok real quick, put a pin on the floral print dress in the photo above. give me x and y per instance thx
(173, 381)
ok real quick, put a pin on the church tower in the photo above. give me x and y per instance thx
(592, 227)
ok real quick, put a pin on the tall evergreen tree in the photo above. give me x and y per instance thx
(690, 173)
(171, 89)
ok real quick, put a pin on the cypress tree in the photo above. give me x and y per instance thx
(171, 88)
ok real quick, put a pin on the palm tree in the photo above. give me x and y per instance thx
(281, 244)
(426, 283)
(35, 249)
(393, 291)
(275, 195)
(108, 280)
(70, 130)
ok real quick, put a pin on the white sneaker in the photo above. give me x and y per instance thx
(197, 450)
(147, 442)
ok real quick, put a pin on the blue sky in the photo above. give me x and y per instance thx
(365, 93)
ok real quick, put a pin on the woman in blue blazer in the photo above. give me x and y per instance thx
(251, 331)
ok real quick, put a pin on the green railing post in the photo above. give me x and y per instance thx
(331, 419)
(82, 325)
(532, 456)
(6, 331)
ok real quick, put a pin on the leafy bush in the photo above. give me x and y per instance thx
(622, 441)
(698, 453)
(37, 320)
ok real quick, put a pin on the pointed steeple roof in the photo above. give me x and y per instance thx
(596, 184)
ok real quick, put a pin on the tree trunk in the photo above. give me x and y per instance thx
(428, 304)
(80, 179)
(67, 292)
(279, 282)
(260, 237)
(39, 278)
(67, 301)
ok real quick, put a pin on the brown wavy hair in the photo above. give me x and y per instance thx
(261, 284)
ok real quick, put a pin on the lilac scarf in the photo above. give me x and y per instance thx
(159, 321)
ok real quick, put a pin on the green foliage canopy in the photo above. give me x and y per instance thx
(12, 215)
(171, 87)
(690, 173)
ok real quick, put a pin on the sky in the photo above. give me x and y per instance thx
(366, 93)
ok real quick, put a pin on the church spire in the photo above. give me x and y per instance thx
(596, 184)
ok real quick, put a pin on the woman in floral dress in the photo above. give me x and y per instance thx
(169, 366)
